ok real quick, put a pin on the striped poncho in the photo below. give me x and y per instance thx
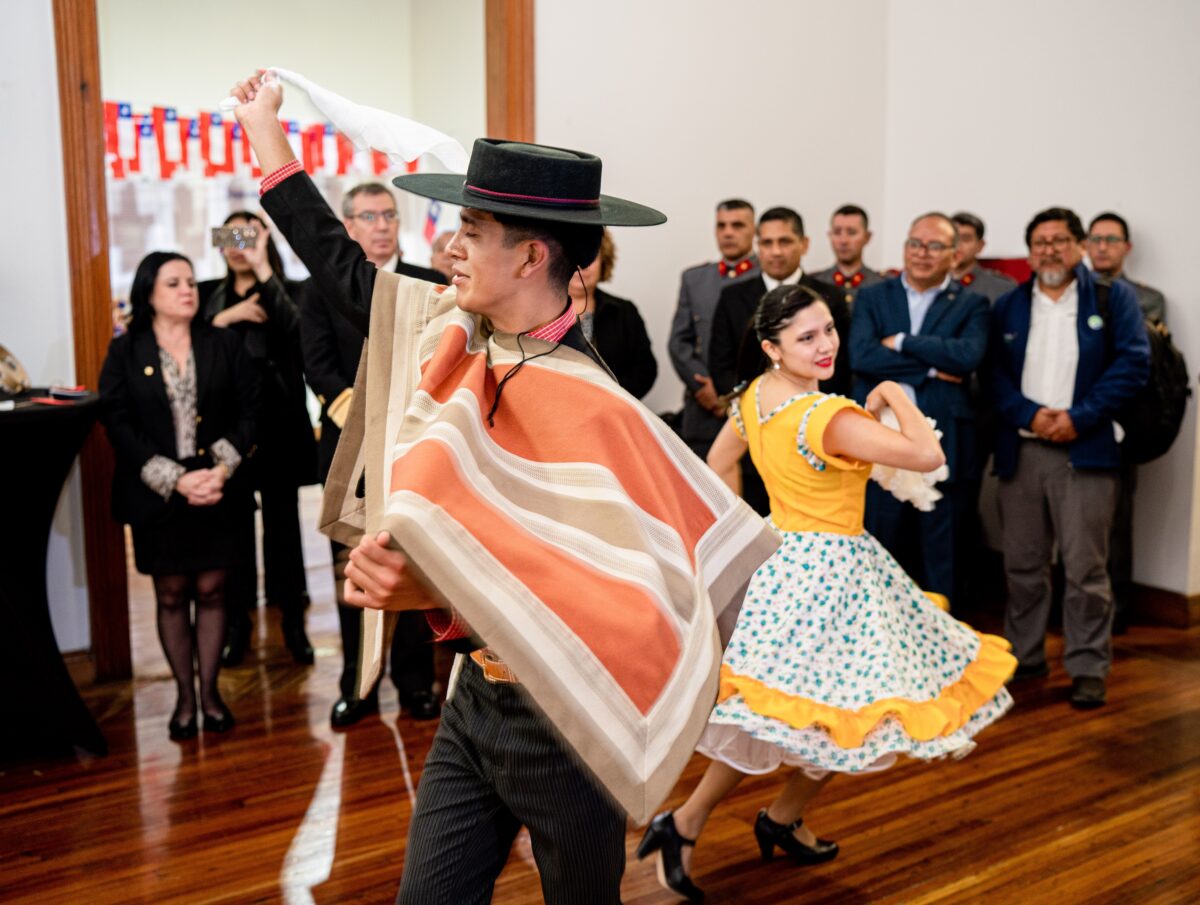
(580, 538)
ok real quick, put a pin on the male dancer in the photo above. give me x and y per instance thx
(505, 462)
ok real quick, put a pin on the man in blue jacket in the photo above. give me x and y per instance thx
(1063, 365)
(928, 334)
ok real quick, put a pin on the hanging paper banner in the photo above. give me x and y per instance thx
(329, 153)
(292, 128)
(111, 143)
(380, 163)
(126, 136)
(145, 160)
(213, 145)
(170, 142)
(345, 154)
(314, 149)
(192, 154)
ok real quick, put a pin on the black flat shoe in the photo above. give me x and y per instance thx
(220, 722)
(181, 731)
(297, 641)
(1087, 693)
(422, 705)
(348, 711)
(1036, 671)
(771, 834)
(662, 837)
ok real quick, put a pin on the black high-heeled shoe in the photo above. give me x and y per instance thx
(662, 837)
(771, 834)
(219, 722)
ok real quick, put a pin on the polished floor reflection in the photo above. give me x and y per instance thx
(1054, 806)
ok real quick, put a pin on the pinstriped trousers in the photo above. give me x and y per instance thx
(496, 764)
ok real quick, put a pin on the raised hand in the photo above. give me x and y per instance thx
(246, 310)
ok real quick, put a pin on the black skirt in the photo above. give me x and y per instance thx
(185, 538)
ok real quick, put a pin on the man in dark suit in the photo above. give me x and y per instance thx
(849, 233)
(1108, 245)
(735, 354)
(332, 348)
(699, 289)
(928, 334)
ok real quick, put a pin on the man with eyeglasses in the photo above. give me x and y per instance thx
(929, 334)
(849, 233)
(1061, 370)
(1108, 245)
(332, 348)
(991, 284)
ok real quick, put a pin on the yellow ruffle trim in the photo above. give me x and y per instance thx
(923, 720)
(941, 601)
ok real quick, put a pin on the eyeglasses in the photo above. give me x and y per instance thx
(372, 216)
(1058, 243)
(1105, 240)
(934, 248)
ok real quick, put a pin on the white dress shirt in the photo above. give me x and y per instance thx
(786, 281)
(919, 303)
(1052, 350)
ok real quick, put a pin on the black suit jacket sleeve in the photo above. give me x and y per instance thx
(340, 270)
(620, 337)
(121, 420)
(319, 342)
(728, 326)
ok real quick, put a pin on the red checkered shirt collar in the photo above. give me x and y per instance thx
(554, 331)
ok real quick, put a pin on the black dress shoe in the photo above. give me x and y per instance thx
(771, 834)
(181, 731)
(662, 837)
(422, 705)
(1087, 692)
(1036, 671)
(348, 711)
(221, 721)
(297, 641)
(237, 639)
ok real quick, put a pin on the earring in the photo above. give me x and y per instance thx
(775, 365)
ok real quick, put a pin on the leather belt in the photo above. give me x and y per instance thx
(494, 669)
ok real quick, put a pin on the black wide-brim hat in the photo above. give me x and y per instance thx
(534, 181)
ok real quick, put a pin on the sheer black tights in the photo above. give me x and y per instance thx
(185, 648)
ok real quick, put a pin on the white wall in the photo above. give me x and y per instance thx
(692, 101)
(449, 90)
(35, 291)
(188, 54)
(1093, 107)
(999, 108)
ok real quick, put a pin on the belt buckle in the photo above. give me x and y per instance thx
(495, 670)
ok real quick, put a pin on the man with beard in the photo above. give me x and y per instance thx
(1061, 372)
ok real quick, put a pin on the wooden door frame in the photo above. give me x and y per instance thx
(508, 44)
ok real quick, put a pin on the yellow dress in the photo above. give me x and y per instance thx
(839, 662)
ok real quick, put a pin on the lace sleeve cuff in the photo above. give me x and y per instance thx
(160, 474)
(226, 454)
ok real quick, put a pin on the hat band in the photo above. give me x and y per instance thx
(533, 199)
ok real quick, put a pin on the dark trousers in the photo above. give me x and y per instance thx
(284, 582)
(496, 765)
(411, 655)
(1120, 550)
(923, 543)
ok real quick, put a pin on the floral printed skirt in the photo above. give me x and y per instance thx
(839, 662)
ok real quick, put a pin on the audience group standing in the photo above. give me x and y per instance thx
(1027, 377)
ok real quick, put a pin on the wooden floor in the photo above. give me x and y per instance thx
(1055, 805)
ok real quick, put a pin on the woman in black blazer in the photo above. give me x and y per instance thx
(178, 403)
(255, 301)
(613, 325)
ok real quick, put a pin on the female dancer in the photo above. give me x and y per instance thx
(179, 399)
(838, 662)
